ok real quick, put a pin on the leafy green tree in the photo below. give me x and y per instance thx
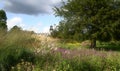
(94, 19)
(3, 19)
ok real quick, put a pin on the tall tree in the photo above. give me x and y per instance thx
(96, 19)
(3, 19)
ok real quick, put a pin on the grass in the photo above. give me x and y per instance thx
(74, 45)
(69, 45)
(82, 60)
(14, 47)
(109, 46)
(23, 51)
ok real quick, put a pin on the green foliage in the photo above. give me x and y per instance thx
(113, 45)
(3, 19)
(46, 62)
(15, 28)
(17, 55)
(89, 19)
(14, 46)
(73, 45)
(12, 55)
(96, 62)
(23, 66)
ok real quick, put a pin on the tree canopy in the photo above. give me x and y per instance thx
(3, 19)
(90, 19)
(15, 28)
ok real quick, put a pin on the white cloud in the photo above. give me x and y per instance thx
(15, 21)
(38, 28)
(39, 24)
(46, 29)
(35, 29)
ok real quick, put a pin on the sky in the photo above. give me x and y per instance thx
(32, 15)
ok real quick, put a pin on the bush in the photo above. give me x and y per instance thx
(12, 55)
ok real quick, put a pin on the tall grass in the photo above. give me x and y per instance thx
(23, 51)
(81, 60)
(14, 46)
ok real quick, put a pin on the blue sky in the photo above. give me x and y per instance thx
(33, 15)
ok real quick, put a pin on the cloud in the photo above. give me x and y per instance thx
(15, 21)
(46, 29)
(30, 7)
(36, 27)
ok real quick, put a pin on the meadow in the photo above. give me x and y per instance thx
(26, 51)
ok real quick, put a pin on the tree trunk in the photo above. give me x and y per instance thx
(93, 43)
